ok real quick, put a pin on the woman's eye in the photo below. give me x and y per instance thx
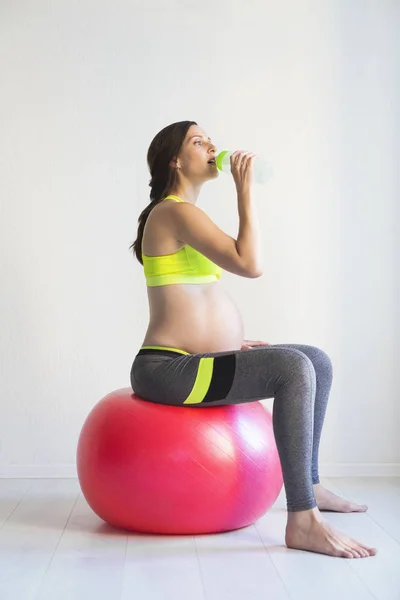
(198, 142)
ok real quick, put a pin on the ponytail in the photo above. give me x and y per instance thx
(164, 147)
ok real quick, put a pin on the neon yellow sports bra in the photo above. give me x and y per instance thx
(185, 266)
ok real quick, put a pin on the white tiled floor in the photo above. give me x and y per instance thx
(52, 546)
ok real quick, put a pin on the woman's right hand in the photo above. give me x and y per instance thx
(242, 169)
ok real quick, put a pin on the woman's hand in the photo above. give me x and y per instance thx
(242, 169)
(247, 344)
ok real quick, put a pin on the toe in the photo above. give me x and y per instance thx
(348, 549)
(344, 553)
(365, 550)
(353, 507)
(364, 553)
(355, 552)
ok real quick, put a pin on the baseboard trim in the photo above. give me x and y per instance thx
(326, 470)
(360, 469)
(38, 471)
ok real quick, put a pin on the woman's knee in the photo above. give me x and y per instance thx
(296, 373)
(320, 359)
(296, 363)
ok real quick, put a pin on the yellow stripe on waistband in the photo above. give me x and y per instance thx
(165, 348)
(203, 380)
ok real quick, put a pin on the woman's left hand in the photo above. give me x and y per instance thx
(247, 344)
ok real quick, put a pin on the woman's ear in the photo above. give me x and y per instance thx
(174, 163)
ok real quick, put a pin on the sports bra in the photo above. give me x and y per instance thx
(185, 266)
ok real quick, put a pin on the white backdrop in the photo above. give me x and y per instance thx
(85, 85)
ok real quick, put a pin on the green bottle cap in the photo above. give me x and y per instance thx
(219, 159)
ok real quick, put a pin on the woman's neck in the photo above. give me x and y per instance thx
(187, 192)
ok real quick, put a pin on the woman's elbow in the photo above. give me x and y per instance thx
(254, 273)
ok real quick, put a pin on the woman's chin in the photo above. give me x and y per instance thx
(208, 176)
(214, 174)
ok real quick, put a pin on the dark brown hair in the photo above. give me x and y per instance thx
(165, 146)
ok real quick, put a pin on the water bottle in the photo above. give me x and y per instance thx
(262, 169)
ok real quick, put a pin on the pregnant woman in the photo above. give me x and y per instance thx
(194, 354)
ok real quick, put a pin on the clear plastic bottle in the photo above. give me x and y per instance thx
(262, 169)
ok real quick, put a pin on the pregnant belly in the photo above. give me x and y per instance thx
(205, 322)
(224, 328)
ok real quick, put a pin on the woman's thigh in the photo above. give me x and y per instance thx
(219, 378)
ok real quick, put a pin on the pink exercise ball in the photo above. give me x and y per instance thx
(154, 468)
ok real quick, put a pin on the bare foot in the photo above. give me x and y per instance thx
(327, 500)
(306, 530)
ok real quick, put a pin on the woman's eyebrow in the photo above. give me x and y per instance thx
(200, 136)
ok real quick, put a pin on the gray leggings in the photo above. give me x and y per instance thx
(298, 377)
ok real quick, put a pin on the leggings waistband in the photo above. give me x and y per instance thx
(164, 350)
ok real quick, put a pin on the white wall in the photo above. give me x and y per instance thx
(85, 87)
